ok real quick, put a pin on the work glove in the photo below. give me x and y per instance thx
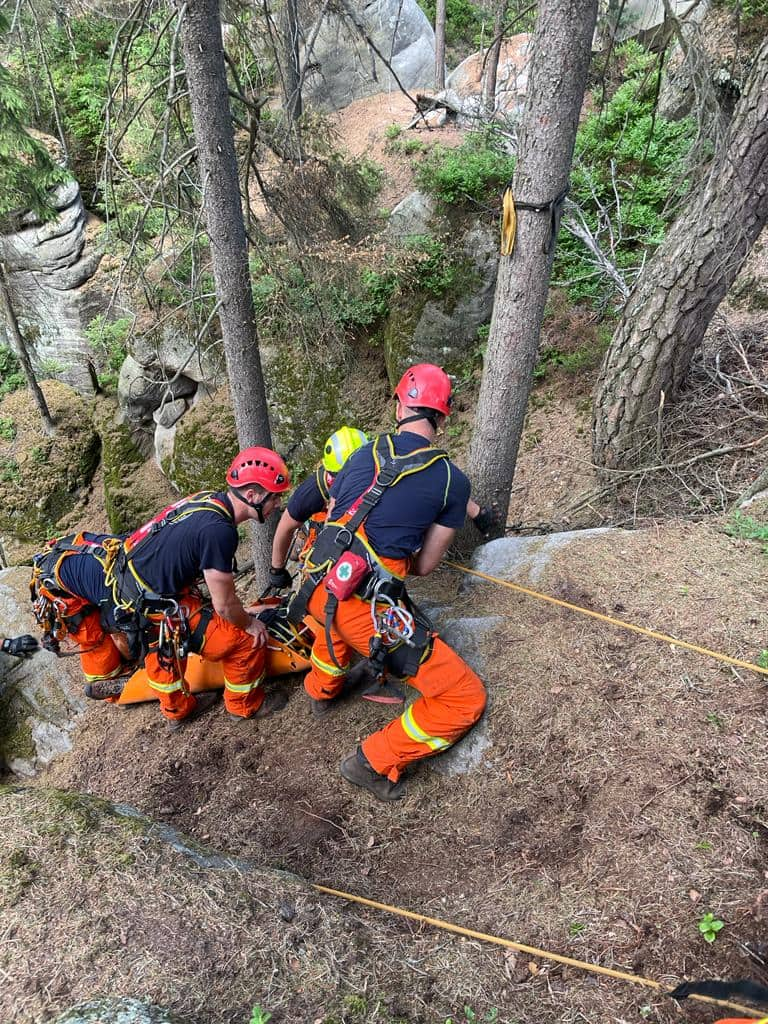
(485, 520)
(280, 579)
(20, 646)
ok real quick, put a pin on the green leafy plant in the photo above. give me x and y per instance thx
(474, 171)
(628, 171)
(11, 377)
(392, 132)
(714, 719)
(709, 926)
(108, 338)
(747, 528)
(7, 428)
(575, 928)
(762, 658)
(259, 1016)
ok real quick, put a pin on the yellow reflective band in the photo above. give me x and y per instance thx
(111, 675)
(165, 688)
(411, 729)
(244, 687)
(329, 670)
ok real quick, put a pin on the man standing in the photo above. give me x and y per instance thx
(157, 568)
(394, 509)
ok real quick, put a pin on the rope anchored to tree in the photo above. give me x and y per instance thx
(510, 206)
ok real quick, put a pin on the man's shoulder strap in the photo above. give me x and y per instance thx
(321, 479)
(202, 501)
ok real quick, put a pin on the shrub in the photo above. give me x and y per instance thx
(107, 338)
(643, 156)
(475, 170)
(11, 377)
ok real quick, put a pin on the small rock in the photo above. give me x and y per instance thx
(287, 911)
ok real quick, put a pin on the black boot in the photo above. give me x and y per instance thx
(357, 770)
(203, 702)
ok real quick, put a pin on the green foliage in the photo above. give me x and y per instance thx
(79, 61)
(108, 338)
(747, 528)
(762, 658)
(11, 377)
(433, 270)
(463, 20)
(470, 1017)
(259, 1016)
(747, 10)
(27, 171)
(392, 132)
(475, 170)
(709, 926)
(7, 428)
(624, 148)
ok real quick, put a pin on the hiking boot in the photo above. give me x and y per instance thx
(102, 689)
(357, 770)
(203, 702)
(321, 708)
(273, 702)
(384, 693)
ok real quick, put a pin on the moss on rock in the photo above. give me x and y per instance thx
(41, 476)
(132, 491)
(204, 445)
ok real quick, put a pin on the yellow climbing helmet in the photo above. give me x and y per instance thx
(340, 446)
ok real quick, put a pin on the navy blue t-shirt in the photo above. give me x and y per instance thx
(307, 500)
(83, 576)
(175, 557)
(397, 524)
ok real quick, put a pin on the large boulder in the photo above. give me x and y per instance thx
(342, 67)
(200, 447)
(51, 268)
(464, 86)
(43, 477)
(40, 697)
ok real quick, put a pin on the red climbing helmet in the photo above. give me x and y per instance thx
(425, 386)
(260, 467)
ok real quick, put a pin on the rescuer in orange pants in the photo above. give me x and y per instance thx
(409, 527)
(215, 639)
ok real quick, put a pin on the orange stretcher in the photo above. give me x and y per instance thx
(285, 654)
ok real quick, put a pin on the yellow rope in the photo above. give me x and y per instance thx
(544, 954)
(609, 618)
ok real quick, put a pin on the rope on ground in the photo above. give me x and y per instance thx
(543, 954)
(726, 658)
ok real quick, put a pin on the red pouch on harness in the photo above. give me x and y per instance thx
(346, 576)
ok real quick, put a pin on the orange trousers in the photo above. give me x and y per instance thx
(243, 665)
(452, 696)
(99, 656)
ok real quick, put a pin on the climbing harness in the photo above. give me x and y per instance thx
(653, 634)
(510, 206)
(544, 954)
(130, 592)
(342, 558)
(56, 610)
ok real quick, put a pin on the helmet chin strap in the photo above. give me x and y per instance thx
(257, 505)
(430, 416)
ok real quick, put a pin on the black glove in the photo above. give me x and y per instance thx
(20, 646)
(485, 520)
(279, 578)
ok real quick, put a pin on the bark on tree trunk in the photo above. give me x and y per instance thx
(20, 348)
(440, 45)
(676, 295)
(558, 76)
(492, 58)
(292, 73)
(212, 121)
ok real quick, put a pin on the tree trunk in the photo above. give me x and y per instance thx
(292, 72)
(492, 57)
(20, 348)
(558, 77)
(440, 45)
(212, 121)
(676, 295)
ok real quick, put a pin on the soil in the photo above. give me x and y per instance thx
(622, 796)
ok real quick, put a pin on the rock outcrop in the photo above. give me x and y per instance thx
(40, 697)
(50, 274)
(341, 66)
